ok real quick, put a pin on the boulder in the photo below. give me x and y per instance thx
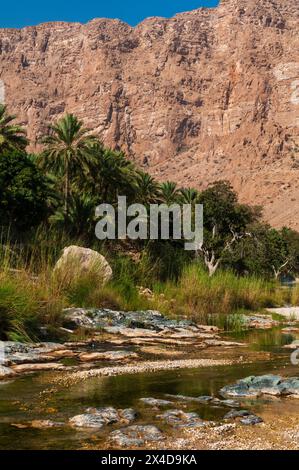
(77, 261)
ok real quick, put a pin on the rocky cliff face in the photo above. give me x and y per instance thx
(206, 95)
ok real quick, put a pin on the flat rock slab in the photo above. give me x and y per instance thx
(99, 417)
(292, 313)
(226, 344)
(6, 372)
(136, 436)
(253, 387)
(20, 368)
(263, 322)
(30, 353)
(140, 323)
(108, 356)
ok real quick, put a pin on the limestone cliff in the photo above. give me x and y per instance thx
(206, 95)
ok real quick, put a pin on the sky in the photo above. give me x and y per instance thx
(21, 13)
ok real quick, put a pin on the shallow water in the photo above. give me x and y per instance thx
(34, 397)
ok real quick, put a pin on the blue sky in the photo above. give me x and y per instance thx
(21, 13)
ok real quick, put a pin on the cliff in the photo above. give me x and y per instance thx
(209, 94)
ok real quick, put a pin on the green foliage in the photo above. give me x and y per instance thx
(25, 192)
(12, 136)
(170, 193)
(67, 151)
(147, 189)
(42, 214)
(268, 252)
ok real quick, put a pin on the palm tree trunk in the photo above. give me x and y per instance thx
(66, 189)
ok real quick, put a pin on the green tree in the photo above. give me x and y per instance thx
(68, 151)
(225, 223)
(147, 189)
(189, 196)
(169, 193)
(12, 136)
(80, 218)
(268, 252)
(24, 191)
(109, 175)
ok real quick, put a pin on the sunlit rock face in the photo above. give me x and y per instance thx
(209, 94)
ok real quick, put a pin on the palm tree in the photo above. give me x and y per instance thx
(68, 151)
(12, 136)
(189, 195)
(110, 174)
(169, 193)
(80, 217)
(147, 190)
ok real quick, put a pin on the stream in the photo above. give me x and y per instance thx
(38, 397)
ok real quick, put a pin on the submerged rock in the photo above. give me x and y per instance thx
(202, 399)
(180, 419)
(251, 420)
(45, 424)
(128, 414)
(88, 420)
(247, 418)
(206, 399)
(136, 436)
(237, 414)
(99, 417)
(262, 385)
(230, 403)
(156, 402)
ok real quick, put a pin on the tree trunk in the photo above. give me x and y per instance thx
(212, 267)
(211, 263)
(66, 190)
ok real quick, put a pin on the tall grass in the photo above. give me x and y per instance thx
(196, 295)
(33, 296)
(294, 296)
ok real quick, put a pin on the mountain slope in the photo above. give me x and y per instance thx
(206, 95)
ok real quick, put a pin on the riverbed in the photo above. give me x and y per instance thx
(42, 396)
